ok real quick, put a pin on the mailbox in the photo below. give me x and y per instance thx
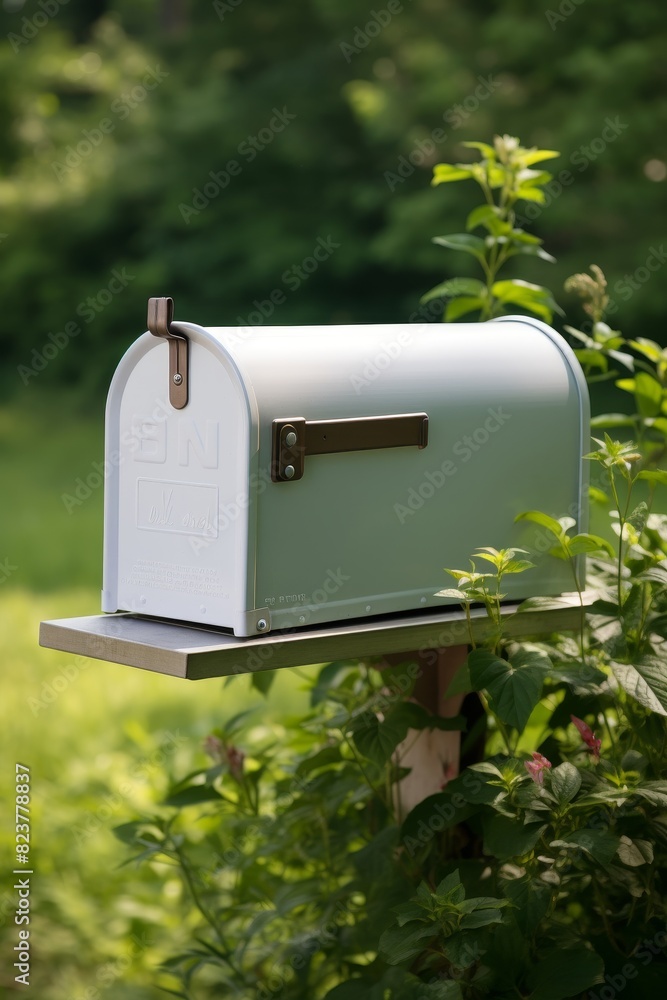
(274, 478)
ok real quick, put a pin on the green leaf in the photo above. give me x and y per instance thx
(327, 678)
(654, 476)
(645, 681)
(601, 846)
(450, 887)
(444, 173)
(460, 683)
(648, 394)
(535, 298)
(612, 420)
(413, 716)
(589, 543)
(262, 680)
(654, 792)
(635, 853)
(532, 251)
(487, 151)
(323, 758)
(193, 796)
(565, 782)
(480, 918)
(514, 691)
(432, 815)
(532, 156)
(565, 972)
(505, 837)
(648, 348)
(402, 944)
(455, 287)
(377, 740)
(544, 520)
(529, 193)
(463, 241)
(462, 306)
(128, 832)
(658, 424)
(354, 989)
(483, 215)
(596, 359)
(639, 516)
(531, 898)
(451, 592)
(291, 895)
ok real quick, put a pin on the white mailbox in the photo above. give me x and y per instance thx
(273, 478)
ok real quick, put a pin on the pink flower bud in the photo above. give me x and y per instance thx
(537, 766)
(588, 736)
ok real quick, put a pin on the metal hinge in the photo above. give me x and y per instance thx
(295, 437)
(160, 317)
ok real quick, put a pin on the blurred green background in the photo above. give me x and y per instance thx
(201, 150)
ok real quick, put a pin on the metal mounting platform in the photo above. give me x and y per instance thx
(195, 653)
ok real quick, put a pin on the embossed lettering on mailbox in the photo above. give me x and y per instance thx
(196, 443)
(186, 508)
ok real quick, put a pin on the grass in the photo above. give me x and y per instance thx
(103, 741)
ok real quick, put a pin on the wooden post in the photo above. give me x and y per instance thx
(432, 754)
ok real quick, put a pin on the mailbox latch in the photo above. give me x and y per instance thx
(160, 318)
(296, 437)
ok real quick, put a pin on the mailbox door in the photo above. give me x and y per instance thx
(177, 495)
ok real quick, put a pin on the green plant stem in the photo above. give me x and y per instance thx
(582, 622)
(208, 917)
(469, 624)
(364, 773)
(501, 725)
(619, 590)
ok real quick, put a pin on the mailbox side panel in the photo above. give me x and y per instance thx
(370, 532)
(176, 504)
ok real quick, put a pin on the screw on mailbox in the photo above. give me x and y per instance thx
(262, 625)
(289, 471)
(290, 439)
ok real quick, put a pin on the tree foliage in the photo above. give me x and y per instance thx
(379, 96)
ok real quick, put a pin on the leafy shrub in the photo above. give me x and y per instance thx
(538, 872)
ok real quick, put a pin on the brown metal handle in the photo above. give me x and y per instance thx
(160, 318)
(296, 437)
